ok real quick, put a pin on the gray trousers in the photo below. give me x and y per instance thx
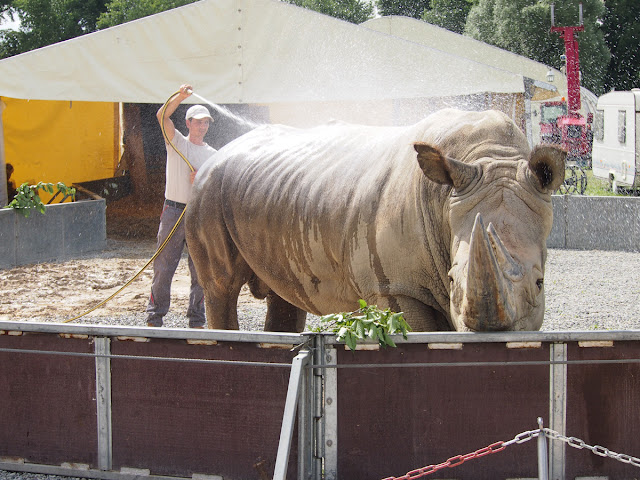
(164, 267)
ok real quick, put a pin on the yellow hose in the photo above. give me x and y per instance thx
(161, 247)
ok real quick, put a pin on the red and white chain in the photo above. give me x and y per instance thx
(520, 438)
(460, 459)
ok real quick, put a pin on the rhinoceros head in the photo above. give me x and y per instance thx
(500, 216)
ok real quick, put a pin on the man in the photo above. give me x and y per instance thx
(11, 185)
(177, 190)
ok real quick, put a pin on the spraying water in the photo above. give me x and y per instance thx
(227, 113)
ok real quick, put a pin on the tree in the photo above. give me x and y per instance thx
(449, 14)
(523, 27)
(354, 11)
(621, 27)
(43, 22)
(407, 8)
(122, 11)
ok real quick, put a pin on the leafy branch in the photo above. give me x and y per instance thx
(367, 322)
(27, 196)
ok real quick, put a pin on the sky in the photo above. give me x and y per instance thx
(6, 23)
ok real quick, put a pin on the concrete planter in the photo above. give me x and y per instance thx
(595, 223)
(65, 231)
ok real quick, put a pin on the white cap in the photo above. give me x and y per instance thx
(198, 112)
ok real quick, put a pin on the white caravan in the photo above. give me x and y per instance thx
(616, 139)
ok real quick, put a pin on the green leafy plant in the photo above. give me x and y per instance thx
(367, 322)
(27, 197)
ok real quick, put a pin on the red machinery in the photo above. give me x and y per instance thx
(561, 122)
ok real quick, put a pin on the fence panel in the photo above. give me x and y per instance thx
(181, 418)
(394, 420)
(603, 408)
(48, 412)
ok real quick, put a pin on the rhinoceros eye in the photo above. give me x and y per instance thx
(540, 284)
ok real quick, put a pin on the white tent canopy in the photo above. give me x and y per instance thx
(245, 51)
(462, 46)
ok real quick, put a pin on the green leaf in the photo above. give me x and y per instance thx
(359, 328)
(373, 333)
(27, 197)
(350, 340)
(367, 322)
(388, 341)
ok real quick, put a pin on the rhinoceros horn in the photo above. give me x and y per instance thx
(489, 298)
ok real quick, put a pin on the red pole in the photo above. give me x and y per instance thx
(573, 64)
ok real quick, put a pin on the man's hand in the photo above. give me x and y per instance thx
(185, 91)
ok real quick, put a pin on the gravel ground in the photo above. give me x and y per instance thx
(588, 290)
(585, 290)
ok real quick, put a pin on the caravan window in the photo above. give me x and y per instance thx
(622, 126)
(598, 125)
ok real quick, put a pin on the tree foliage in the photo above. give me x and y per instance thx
(449, 14)
(407, 8)
(122, 11)
(523, 27)
(354, 11)
(621, 27)
(43, 22)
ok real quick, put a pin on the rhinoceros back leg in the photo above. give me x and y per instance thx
(221, 272)
(282, 316)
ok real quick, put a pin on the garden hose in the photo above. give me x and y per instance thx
(161, 247)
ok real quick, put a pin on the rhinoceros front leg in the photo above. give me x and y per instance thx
(419, 316)
(282, 316)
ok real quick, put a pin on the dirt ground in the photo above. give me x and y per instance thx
(57, 291)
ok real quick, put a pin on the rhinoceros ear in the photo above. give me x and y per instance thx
(547, 162)
(444, 170)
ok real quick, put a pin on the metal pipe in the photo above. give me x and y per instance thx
(543, 464)
(580, 14)
(288, 420)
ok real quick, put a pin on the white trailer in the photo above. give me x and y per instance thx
(616, 139)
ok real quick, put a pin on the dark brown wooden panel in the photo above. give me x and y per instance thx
(394, 420)
(603, 408)
(48, 409)
(185, 418)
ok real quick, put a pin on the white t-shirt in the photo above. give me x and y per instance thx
(178, 182)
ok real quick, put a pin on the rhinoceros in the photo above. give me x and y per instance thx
(445, 220)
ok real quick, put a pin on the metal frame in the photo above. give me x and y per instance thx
(312, 396)
(558, 408)
(103, 402)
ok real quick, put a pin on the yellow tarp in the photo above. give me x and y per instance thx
(60, 141)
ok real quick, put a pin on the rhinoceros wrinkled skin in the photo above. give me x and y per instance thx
(445, 220)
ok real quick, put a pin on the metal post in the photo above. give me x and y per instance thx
(289, 417)
(318, 376)
(305, 424)
(102, 348)
(557, 408)
(543, 464)
(331, 415)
